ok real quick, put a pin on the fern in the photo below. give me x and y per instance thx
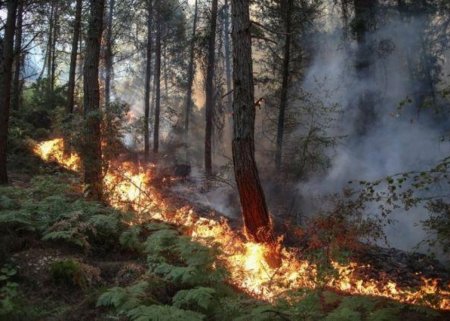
(124, 299)
(387, 314)
(129, 239)
(264, 313)
(197, 299)
(163, 313)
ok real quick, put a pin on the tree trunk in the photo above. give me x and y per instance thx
(364, 19)
(18, 55)
(226, 31)
(209, 103)
(73, 57)
(109, 54)
(157, 78)
(92, 154)
(285, 82)
(254, 209)
(6, 62)
(191, 73)
(53, 49)
(148, 73)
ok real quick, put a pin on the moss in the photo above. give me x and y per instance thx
(69, 273)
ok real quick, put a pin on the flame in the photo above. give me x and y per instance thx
(128, 186)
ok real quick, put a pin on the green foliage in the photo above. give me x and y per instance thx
(129, 239)
(8, 291)
(176, 258)
(197, 299)
(45, 208)
(124, 299)
(163, 313)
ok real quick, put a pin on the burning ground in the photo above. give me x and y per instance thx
(250, 265)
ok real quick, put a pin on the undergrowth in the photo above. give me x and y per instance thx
(180, 279)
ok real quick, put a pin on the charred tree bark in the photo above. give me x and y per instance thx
(109, 54)
(285, 83)
(6, 62)
(209, 103)
(191, 73)
(18, 58)
(73, 57)
(92, 153)
(157, 78)
(148, 73)
(254, 209)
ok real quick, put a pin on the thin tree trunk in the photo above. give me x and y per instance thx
(226, 35)
(16, 90)
(51, 26)
(92, 153)
(191, 73)
(157, 78)
(148, 73)
(285, 83)
(109, 54)
(6, 62)
(209, 103)
(53, 49)
(254, 209)
(73, 57)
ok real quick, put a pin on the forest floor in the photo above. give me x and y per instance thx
(64, 258)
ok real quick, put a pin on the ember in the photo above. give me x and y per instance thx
(129, 187)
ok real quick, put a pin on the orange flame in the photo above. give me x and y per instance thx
(128, 186)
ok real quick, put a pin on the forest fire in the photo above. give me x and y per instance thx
(128, 186)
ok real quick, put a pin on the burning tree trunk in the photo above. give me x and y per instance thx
(109, 54)
(148, 73)
(16, 90)
(92, 154)
(73, 57)
(157, 78)
(254, 209)
(191, 73)
(285, 83)
(209, 103)
(6, 62)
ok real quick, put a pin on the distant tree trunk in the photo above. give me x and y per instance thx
(18, 55)
(148, 73)
(157, 78)
(363, 22)
(6, 62)
(191, 73)
(209, 103)
(226, 31)
(73, 57)
(253, 203)
(53, 49)
(51, 26)
(285, 82)
(109, 54)
(92, 153)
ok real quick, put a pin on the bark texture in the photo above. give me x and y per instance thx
(6, 62)
(109, 54)
(191, 73)
(254, 209)
(209, 103)
(92, 153)
(285, 82)
(73, 57)
(18, 59)
(157, 77)
(148, 74)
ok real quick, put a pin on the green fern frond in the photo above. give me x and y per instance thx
(163, 313)
(198, 299)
